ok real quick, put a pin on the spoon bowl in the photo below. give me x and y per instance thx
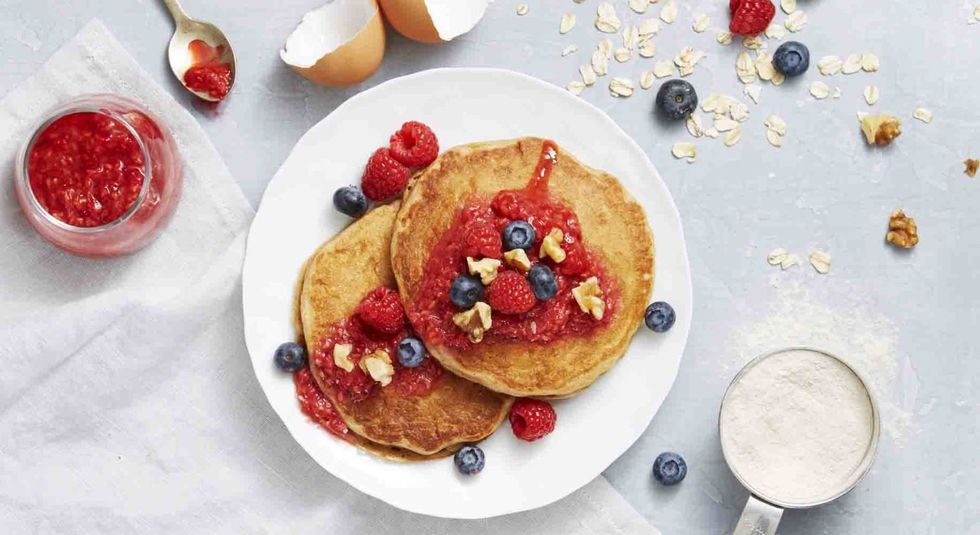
(180, 54)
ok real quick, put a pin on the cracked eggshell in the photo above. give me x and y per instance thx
(433, 21)
(339, 44)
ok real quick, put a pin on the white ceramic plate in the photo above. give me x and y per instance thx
(462, 106)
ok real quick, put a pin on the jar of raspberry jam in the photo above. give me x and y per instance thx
(99, 177)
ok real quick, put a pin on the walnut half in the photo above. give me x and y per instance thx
(902, 231)
(880, 129)
(971, 167)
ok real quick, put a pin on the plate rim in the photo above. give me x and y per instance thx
(687, 290)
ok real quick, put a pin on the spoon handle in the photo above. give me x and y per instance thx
(176, 11)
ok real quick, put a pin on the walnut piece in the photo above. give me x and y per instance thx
(517, 259)
(880, 129)
(475, 321)
(902, 231)
(378, 366)
(551, 246)
(341, 357)
(485, 268)
(971, 167)
(588, 295)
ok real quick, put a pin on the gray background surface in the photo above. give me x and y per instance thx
(908, 320)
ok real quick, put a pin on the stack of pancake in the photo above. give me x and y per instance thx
(389, 247)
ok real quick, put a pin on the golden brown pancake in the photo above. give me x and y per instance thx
(452, 412)
(613, 225)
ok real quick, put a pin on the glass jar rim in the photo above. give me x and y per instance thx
(144, 188)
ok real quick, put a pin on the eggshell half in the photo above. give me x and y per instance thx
(433, 21)
(339, 44)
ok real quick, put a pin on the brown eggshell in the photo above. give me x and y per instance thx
(354, 61)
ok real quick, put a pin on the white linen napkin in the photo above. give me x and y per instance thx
(127, 400)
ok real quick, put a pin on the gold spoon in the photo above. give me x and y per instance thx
(188, 30)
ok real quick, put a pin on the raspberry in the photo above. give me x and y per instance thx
(384, 177)
(482, 240)
(414, 145)
(532, 419)
(510, 293)
(750, 17)
(381, 309)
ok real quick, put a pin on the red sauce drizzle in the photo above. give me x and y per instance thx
(470, 234)
(317, 406)
(208, 74)
(86, 169)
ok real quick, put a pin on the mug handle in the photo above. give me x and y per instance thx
(758, 518)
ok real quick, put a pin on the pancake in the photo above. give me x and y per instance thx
(452, 412)
(613, 226)
(390, 453)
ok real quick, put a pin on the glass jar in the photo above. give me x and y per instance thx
(99, 176)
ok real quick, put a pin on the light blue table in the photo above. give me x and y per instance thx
(910, 319)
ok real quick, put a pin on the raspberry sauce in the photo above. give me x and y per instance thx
(316, 406)
(356, 385)
(208, 74)
(86, 169)
(476, 231)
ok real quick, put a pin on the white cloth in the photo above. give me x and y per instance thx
(127, 401)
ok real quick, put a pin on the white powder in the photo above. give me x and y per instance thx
(796, 426)
(844, 320)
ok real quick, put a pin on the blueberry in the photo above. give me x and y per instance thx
(669, 468)
(290, 357)
(518, 235)
(677, 99)
(543, 282)
(659, 317)
(465, 291)
(470, 460)
(410, 352)
(791, 58)
(350, 201)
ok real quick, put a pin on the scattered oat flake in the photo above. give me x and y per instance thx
(764, 67)
(622, 55)
(600, 63)
(701, 23)
(738, 111)
(588, 74)
(724, 124)
(522, 9)
(570, 49)
(631, 36)
(648, 49)
(776, 124)
(820, 262)
(684, 150)
(621, 87)
(567, 23)
(724, 38)
(796, 21)
(753, 92)
(668, 13)
(789, 6)
(650, 27)
(605, 46)
(871, 94)
(606, 19)
(852, 64)
(647, 79)
(923, 115)
(663, 69)
(640, 6)
(829, 65)
(778, 78)
(752, 43)
(819, 90)
(976, 15)
(971, 166)
(776, 256)
(869, 62)
(745, 68)
(575, 88)
(733, 137)
(711, 132)
(711, 103)
(694, 126)
(837, 92)
(774, 138)
(775, 31)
